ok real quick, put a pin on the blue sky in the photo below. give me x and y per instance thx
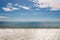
(30, 10)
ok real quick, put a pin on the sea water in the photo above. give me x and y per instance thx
(30, 24)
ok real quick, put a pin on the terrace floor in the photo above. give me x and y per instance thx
(29, 34)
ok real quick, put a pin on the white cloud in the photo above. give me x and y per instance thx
(24, 7)
(37, 9)
(3, 17)
(10, 9)
(13, 7)
(16, 4)
(6, 9)
(10, 4)
(54, 4)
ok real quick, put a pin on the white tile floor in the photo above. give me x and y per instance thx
(29, 34)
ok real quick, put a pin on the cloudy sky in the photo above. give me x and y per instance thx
(30, 10)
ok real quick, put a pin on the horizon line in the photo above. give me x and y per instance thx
(29, 20)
